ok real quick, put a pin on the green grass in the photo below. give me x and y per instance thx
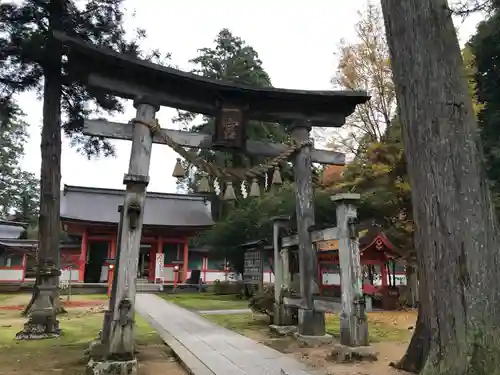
(63, 355)
(242, 323)
(78, 329)
(6, 296)
(377, 331)
(206, 301)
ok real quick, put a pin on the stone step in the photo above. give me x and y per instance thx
(146, 287)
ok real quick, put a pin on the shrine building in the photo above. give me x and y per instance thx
(90, 216)
(12, 259)
(381, 262)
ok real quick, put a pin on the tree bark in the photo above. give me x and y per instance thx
(49, 225)
(418, 350)
(456, 227)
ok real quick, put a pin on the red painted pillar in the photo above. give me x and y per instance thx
(185, 261)
(204, 266)
(24, 263)
(111, 270)
(83, 255)
(383, 274)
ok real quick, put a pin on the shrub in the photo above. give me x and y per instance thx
(262, 302)
(227, 287)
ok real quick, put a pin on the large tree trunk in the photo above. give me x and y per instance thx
(44, 305)
(50, 174)
(418, 350)
(456, 228)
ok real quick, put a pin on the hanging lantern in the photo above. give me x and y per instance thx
(203, 185)
(277, 177)
(229, 194)
(179, 171)
(254, 189)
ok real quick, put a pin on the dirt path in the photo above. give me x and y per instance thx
(22, 299)
(317, 357)
(388, 352)
(158, 360)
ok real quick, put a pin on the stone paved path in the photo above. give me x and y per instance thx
(208, 349)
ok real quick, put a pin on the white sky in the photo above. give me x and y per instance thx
(296, 40)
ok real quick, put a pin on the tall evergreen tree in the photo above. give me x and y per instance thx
(231, 59)
(18, 188)
(485, 48)
(31, 59)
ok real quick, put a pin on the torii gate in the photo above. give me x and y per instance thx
(152, 85)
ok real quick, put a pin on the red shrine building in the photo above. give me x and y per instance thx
(91, 216)
(381, 262)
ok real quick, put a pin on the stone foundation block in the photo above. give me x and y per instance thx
(38, 331)
(283, 330)
(311, 323)
(313, 341)
(112, 367)
(282, 315)
(97, 351)
(343, 353)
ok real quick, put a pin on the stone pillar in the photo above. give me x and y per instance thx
(353, 322)
(311, 323)
(281, 316)
(285, 268)
(42, 322)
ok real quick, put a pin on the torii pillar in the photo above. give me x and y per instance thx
(118, 356)
(311, 322)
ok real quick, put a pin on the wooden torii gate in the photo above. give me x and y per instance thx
(353, 322)
(151, 86)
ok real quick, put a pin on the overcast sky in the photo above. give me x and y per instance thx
(296, 40)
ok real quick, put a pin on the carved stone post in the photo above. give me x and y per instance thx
(121, 336)
(285, 268)
(281, 316)
(311, 323)
(353, 322)
(42, 321)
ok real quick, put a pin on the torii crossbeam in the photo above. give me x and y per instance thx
(151, 86)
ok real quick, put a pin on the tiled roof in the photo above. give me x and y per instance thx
(161, 210)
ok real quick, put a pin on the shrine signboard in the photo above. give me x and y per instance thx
(253, 265)
(328, 245)
(229, 128)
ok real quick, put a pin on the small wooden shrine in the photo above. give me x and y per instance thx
(383, 268)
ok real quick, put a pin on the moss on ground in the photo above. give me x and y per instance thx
(63, 355)
(243, 323)
(205, 301)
